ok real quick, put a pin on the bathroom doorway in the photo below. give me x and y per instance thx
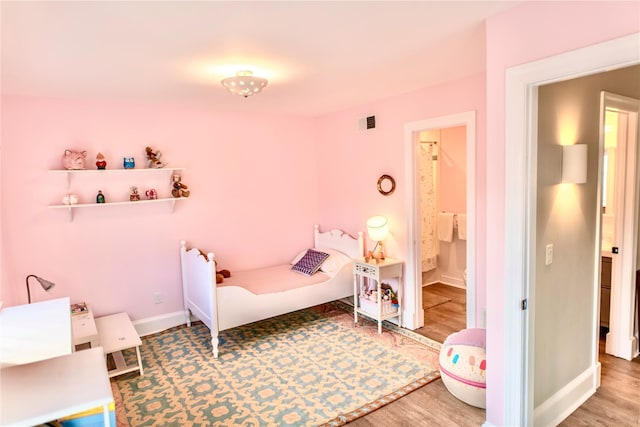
(442, 193)
(443, 261)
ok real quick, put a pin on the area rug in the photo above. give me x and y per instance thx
(308, 368)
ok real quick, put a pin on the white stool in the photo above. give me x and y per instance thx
(117, 333)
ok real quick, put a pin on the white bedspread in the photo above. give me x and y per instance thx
(267, 280)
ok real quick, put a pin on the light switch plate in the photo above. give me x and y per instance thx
(548, 258)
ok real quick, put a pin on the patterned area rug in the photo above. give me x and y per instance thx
(307, 368)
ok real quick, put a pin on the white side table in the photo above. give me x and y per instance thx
(84, 329)
(378, 271)
(116, 333)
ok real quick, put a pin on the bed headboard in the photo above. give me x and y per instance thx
(339, 240)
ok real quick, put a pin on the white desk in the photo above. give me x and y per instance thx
(35, 331)
(38, 392)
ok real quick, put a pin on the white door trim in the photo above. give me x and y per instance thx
(520, 165)
(621, 340)
(413, 275)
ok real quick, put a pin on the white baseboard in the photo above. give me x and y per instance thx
(488, 424)
(151, 325)
(559, 406)
(453, 281)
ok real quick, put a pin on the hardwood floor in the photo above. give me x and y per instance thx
(445, 311)
(615, 403)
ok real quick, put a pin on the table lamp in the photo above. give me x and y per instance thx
(46, 285)
(378, 230)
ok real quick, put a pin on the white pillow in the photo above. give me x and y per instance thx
(332, 264)
(335, 262)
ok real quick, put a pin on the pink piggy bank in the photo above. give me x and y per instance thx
(74, 159)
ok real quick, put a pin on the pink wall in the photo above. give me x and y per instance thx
(253, 181)
(452, 159)
(351, 160)
(523, 34)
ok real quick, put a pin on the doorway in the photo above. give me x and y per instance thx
(521, 160)
(619, 151)
(414, 314)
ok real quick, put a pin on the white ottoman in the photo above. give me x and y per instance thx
(463, 366)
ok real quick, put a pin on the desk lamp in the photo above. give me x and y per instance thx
(46, 285)
(378, 229)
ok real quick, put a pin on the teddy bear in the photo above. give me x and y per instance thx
(222, 274)
(179, 189)
(153, 158)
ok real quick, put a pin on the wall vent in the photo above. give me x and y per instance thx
(371, 122)
(367, 123)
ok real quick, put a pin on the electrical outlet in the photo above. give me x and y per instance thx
(548, 259)
(157, 298)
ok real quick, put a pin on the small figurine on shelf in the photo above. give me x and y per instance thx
(153, 158)
(70, 199)
(74, 160)
(134, 196)
(101, 163)
(129, 162)
(151, 194)
(100, 197)
(179, 189)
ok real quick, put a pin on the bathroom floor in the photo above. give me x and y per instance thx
(445, 311)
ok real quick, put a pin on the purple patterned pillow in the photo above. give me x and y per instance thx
(310, 262)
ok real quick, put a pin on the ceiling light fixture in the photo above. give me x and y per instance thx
(244, 83)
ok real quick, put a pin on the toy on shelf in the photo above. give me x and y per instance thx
(134, 196)
(151, 194)
(100, 197)
(129, 162)
(70, 199)
(153, 158)
(179, 189)
(74, 160)
(101, 163)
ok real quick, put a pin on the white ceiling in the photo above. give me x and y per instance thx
(320, 57)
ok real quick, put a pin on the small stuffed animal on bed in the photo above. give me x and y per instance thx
(222, 274)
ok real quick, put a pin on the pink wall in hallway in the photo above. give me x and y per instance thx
(452, 159)
(253, 182)
(523, 34)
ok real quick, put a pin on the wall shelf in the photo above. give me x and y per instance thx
(171, 201)
(71, 172)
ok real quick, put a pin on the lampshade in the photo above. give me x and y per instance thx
(46, 285)
(377, 228)
(574, 163)
(244, 83)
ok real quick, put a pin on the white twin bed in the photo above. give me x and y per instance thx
(252, 295)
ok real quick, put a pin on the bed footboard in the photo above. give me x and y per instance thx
(199, 289)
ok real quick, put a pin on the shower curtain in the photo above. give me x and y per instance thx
(428, 208)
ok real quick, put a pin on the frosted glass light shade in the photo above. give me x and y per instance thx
(244, 83)
(377, 228)
(574, 163)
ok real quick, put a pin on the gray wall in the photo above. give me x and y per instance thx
(568, 112)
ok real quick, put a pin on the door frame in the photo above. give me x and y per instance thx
(521, 87)
(413, 271)
(621, 340)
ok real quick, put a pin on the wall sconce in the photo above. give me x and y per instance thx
(46, 285)
(574, 163)
(378, 230)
